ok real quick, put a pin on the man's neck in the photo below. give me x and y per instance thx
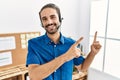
(54, 37)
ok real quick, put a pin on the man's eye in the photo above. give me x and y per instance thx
(53, 17)
(44, 19)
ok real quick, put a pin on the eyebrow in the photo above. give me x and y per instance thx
(44, 17)
(52, 15)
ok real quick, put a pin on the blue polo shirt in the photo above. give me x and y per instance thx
(42, 50)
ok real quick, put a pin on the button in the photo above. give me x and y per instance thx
(55, 71)
(54, 45)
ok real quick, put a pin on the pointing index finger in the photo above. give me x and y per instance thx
(95, 37)
(78, 41)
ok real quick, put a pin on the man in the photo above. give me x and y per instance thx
(52, 56)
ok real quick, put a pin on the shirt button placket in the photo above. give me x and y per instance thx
(55, 77)
(55, 53)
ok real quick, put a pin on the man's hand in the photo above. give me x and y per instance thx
(74, 52)
(95, 47)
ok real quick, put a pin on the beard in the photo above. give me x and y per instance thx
(52, 28)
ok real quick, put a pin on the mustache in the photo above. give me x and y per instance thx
(50, 25)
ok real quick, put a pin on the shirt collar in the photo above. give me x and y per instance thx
(48, 40)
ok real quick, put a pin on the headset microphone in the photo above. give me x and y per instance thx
(61, 19)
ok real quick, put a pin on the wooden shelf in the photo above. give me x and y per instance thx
(16, 72)
(79, 76)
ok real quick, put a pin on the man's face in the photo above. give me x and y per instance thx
(50, 20)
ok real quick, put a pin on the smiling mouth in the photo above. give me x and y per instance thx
(52, 24)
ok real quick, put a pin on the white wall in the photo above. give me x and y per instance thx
(17, 16)
(22, 16)
(76, 20)
(84, 21)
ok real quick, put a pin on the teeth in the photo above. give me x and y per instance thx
(51, 27)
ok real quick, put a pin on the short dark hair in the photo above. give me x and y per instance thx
(51, 5)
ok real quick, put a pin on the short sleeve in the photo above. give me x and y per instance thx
(78, 61)
(32, 57)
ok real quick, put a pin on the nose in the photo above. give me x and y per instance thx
(49, 21)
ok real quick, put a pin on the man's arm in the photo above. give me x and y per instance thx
(95, 48)
(87, 62)
(39, 72)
